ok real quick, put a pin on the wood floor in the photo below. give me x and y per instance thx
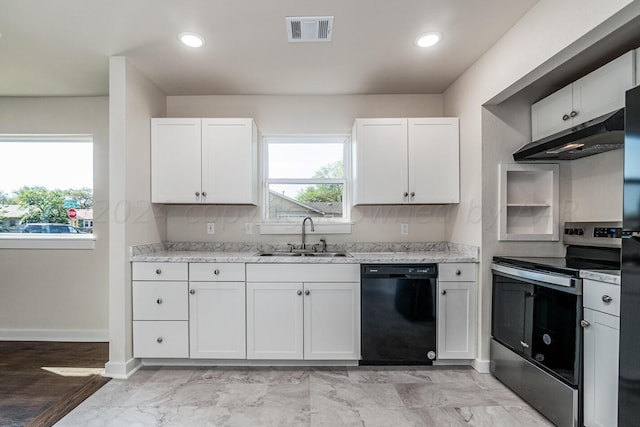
(33, 396)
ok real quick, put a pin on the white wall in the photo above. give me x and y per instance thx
(307, 115)
(133, 100)
(596, 188)
(59, 294)
(550, 33)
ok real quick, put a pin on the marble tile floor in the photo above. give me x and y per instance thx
(332, 397)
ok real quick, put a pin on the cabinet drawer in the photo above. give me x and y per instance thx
(347, 273)
(160, 271)
(600, 296)
(217, 272)
(160, 339)
(160, 301)
(457, 272)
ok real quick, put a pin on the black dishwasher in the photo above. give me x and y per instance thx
(398, 314)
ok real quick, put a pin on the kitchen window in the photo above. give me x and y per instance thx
(46, 191)
(306, 175)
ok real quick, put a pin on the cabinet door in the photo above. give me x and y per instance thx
(603, 91)
(217, 320)
(456, 320)
(332, 321)
(175, 160)
(548, 114)
(434, 160)
(380, 156)
(274, 321)
(601, 343)
(229, 161)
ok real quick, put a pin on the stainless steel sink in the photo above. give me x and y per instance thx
(310, 254)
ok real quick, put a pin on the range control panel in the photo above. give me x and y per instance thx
(611, 233)
(606, 234)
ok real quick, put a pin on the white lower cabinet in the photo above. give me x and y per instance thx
(160, 310)
(456, 330)
(303, 311)
(217, 311)
(274, 321)
(601, 350)
(216, 320)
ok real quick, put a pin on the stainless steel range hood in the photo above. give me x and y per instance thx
(602, 134)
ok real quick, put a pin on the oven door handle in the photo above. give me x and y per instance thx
(554, 279)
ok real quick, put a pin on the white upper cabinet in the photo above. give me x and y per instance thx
(380, 161)
(599, 92)
(175, 160)
(204, 161)
(230, 161)
(398, 161)
(434, 171)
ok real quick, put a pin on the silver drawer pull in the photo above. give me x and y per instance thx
(159, 340)
(606, 299)
(299, 292)
(458, 272)
(159, 301)
(158, 271)
(307, 292)
(584, 324)
(443, 292)
(216, 272)
(524, 344)
(192, 291)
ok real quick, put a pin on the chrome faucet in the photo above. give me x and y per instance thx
(304, 245)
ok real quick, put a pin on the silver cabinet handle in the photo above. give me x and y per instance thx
(584, 324)
(299, 292)
(413, 194)
(606, 299)
(159, 301)
(204, 194)
(405, 194)
(158, 271)
(443, 292)
(192, 291)
(565, 117)
(307, 292)
(197, 194)
(458, 272)
(159, 340)
(524, 344)
(573, 113)
(216, 272)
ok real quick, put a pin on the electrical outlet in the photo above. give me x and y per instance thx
(248, 228)
(404, 228)
(211, 228)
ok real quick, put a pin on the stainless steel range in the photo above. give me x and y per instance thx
(536, 344)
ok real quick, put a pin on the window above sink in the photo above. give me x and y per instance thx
(306, 175)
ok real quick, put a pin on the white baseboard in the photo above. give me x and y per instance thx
(482, 366)
(59, 335)
(122, 371)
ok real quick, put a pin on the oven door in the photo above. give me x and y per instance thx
(540, 322)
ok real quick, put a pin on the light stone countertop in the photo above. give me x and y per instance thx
(607, 276)
(440, 252)
(355, 258)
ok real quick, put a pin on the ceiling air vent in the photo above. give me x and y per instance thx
(310, 28)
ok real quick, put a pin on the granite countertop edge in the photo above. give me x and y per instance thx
(440, 252)
(607, 276)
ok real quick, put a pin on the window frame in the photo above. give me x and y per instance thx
(55, 240)
(324, 225)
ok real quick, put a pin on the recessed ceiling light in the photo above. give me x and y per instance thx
(428, 39)
(191, 39)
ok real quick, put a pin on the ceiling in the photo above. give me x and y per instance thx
(62, 48)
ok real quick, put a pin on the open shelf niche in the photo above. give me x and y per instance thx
(528, 202)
